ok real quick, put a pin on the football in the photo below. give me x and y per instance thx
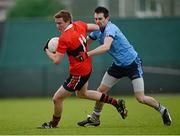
(53, 43)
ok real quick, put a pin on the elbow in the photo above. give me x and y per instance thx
(106, 48)
(56, 61)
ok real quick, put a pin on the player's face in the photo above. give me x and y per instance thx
(60, 24)
(100, 20)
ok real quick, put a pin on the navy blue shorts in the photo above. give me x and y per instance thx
(75, 82)
(133, 71)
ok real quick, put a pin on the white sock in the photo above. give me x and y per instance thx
(97, 113)
(161, 109)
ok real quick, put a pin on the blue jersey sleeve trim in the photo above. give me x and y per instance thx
(111, 36)
(92, 37)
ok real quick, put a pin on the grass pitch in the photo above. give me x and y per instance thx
(21, 116)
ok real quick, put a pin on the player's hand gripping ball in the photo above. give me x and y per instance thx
(52, 44)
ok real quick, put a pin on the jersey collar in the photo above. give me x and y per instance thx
(68, 27)
(103, 28)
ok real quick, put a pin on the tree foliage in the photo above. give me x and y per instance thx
(34, 8)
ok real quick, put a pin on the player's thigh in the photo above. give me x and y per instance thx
(83, 90)
(61, 93)
(107, 82)
(138, 85)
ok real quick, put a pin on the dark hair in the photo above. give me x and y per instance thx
(66, 15)
(102, 10)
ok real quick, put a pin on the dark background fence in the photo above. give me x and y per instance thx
(25, 70)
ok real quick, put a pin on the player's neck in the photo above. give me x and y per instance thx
(68, 27)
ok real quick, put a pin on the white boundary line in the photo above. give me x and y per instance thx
(160, 70)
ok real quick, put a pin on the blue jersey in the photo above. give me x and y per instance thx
(121, 50)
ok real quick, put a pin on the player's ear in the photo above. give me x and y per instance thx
(108, 18)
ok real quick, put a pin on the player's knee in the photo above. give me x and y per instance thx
(56, 99)
(102, 89)
(140, 99)
(81, 94)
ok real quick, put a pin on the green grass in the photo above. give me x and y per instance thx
(22, 116)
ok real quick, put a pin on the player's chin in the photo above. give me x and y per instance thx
(99, 25)
(60, 30)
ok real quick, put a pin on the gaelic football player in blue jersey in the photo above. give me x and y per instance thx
(125, 63)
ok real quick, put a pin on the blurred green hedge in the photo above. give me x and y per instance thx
(34, 8)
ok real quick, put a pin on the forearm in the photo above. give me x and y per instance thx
(89, 41)
(53, 56)
(99, 50)
(103, 48)
(92, 27)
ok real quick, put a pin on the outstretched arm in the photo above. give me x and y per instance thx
(92, 27)
(103, 48)
(89, 40)
(55, 57)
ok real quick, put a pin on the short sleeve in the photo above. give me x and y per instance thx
(81, 24)
(93, 35)
(110, 32)
(62, 46)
